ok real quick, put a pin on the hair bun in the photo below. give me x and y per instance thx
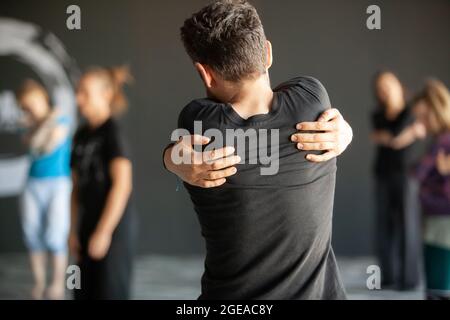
(121, 75)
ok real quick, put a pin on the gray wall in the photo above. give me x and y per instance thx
(326, 39)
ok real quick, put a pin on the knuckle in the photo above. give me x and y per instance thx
(212, 175)
(204, 184)
(195, 169)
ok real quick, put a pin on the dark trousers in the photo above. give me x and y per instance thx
(110, 277)
(398, 231)
(107, 279)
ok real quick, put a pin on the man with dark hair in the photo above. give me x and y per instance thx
(267, 236)
(227, 36)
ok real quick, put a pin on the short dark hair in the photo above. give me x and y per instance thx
(228, 36)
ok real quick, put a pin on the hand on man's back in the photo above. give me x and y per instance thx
(331, 133)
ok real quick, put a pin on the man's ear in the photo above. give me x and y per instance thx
(205, 74)
(269, 54)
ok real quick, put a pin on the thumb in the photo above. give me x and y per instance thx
(329, 115)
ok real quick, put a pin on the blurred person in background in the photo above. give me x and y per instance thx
(101, 236)
(45, 202)
(432, 107)
(394, 131)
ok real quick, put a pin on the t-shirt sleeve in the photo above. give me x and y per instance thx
(316, 90)
(188, 115)
(306, 97)
(115, 145)
(406, 120)
(376, 119)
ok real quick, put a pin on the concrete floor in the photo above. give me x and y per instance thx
(170, 277)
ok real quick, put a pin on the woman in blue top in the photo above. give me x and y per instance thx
(46, 198)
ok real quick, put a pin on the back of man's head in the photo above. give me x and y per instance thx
(227, 36)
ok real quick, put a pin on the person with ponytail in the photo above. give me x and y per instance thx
(101, 237)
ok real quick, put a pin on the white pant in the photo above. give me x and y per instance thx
(46, 214)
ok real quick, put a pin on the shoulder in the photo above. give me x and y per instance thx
(306, 87)
(200, 106)
(304, 97)
(112, 126)
(199, 109)
(191, 109)
(377, 116)
(112, 131)
(80, 133)
(114, 141)
(407, 114)
(300, 81)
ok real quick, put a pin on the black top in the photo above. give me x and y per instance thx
(93, 151)
(269, 236)
(389, 161)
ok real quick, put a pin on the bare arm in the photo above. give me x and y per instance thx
(381, 137)
(405, 138)
(408, 136)
(48, 136)
(116, 201)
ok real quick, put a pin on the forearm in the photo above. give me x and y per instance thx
(115, 206)
(381, 138)
(404, 139)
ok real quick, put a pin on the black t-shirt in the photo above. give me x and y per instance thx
(93, 151)
(269, 236)
(389, 161)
